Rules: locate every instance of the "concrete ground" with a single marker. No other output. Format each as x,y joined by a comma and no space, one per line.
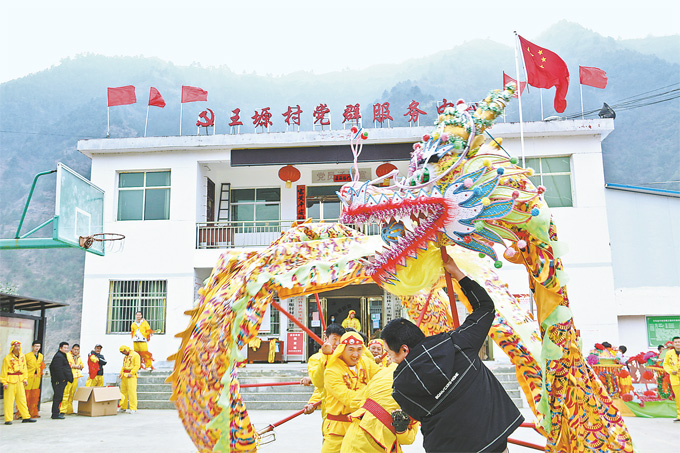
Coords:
161,430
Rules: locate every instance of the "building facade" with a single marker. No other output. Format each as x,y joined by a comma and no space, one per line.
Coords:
182,201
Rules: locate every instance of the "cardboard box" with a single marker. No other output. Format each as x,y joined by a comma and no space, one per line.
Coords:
97,401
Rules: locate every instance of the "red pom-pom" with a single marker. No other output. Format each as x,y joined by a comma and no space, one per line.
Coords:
426,137
599,346
354,129
624,374
647,375
627,397
467,239
650,393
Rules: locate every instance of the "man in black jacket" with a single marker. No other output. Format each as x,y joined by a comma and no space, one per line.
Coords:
61,374
441,381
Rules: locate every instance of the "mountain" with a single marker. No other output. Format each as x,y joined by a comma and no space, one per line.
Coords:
43,115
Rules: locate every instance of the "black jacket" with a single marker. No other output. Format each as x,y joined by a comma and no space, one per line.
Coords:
60,370
444,384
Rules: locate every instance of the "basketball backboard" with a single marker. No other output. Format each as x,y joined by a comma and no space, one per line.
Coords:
78,212
79,209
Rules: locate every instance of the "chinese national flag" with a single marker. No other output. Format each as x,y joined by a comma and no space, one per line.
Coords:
121,95
155,98
594,77
507,79
193,94
545,69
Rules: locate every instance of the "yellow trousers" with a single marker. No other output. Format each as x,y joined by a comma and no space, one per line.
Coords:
67,401
331,443
145,356
128,388
15,392
676,390
98,381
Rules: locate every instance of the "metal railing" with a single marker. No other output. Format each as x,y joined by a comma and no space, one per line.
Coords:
230,234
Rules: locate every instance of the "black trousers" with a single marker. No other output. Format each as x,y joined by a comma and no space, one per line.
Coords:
58,387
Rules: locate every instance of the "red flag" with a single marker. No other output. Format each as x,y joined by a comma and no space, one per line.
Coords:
507,79
594,77
545,69
193,94
121,95
155,98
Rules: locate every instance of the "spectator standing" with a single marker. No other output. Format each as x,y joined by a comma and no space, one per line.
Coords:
35,365
61,374
14,379
95,367
671,364
76,364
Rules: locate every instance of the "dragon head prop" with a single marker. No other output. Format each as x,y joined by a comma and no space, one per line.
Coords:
458,190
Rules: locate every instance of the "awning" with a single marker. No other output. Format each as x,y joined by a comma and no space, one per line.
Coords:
13,302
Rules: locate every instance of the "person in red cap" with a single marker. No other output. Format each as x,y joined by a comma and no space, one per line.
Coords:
14,378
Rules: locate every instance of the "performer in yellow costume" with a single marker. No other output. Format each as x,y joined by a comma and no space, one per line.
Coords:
14,378
77,366
316,366
671,364
128,379
35,366
352,321
141,334
377,349
347,374
372,429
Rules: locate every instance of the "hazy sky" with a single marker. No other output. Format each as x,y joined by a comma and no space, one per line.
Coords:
279,36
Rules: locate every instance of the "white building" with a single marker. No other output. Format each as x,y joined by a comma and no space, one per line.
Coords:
182,201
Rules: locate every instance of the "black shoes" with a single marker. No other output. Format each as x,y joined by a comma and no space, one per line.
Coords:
59,417
8,423
28,420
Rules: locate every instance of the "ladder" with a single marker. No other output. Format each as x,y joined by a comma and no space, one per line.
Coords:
225,205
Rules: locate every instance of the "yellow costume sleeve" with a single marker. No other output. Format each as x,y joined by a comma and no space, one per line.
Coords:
133,329
136,362
316,366
146,330
4,374
94,359
316,396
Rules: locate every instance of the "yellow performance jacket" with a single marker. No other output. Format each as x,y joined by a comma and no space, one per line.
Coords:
354,323
379,390
13,369
34,366
343,387
73,362
144,329
316,366
672,363
131,364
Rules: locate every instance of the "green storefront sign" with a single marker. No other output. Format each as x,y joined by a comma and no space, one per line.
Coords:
661,329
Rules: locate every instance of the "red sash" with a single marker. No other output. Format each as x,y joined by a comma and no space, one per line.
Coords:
380,413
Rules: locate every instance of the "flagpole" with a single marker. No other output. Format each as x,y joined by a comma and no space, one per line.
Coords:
519,90
540,90
581,87
180,118
147,120
108,122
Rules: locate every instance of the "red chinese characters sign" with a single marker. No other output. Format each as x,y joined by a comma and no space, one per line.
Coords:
295,343
301,203
293,114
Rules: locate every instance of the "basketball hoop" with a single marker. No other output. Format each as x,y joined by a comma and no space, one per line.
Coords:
107,238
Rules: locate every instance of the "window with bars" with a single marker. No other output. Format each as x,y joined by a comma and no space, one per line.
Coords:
127,297
144,195
553,173
275,323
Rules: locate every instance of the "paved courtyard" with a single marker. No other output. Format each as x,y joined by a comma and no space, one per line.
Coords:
161,430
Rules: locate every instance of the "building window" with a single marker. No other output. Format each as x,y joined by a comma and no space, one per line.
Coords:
553,173
323,202
255,208
275,322
144,195
127,297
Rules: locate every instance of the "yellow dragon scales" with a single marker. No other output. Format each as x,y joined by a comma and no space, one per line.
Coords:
458,192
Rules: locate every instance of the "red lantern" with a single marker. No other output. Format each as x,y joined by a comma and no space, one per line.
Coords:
289,174
385,169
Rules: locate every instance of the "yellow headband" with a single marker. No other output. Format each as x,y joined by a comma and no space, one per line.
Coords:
124,348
